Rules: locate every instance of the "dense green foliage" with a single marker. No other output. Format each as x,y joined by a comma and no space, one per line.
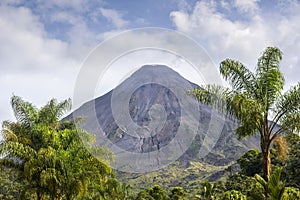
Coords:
10,183
291,170
246,185
233,195
250,163
48,159
52,159
257,102
157,193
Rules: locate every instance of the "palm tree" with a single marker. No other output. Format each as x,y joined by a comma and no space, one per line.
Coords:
54,157
26,140
256,101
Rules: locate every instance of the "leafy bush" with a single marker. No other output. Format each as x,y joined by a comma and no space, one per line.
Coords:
233,195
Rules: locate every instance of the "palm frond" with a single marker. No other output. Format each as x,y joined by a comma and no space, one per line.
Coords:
261,181
53,110
24,112
17,150
15,131
290,123
217,97
269,78
9,135
240,77
287,109
249,114
275,185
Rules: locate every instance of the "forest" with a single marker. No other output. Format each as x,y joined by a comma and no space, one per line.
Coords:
44,157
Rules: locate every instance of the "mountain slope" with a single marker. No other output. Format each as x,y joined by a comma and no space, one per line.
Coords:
153,100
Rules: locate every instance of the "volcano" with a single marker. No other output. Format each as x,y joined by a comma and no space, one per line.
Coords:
151,109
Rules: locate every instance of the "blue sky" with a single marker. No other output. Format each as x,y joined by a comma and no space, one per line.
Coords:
43,43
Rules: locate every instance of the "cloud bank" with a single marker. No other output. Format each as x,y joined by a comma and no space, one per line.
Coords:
43,44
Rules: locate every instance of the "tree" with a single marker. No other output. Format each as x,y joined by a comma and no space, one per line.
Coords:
115,190
54,157
250,162
24,139
256,101
177,193
156,192
246,185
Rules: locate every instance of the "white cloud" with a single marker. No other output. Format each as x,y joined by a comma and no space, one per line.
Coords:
243,40
225,4
115,17
31,65
181,20
246,6
38,67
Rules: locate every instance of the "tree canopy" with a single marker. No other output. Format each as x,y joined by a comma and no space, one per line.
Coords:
56,159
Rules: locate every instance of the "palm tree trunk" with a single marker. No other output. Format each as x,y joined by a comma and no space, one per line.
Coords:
266,164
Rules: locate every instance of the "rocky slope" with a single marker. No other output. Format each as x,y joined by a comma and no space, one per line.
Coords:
155,114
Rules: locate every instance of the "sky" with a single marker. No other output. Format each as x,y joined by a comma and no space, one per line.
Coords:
43,43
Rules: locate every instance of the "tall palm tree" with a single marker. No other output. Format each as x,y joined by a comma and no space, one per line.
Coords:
256,101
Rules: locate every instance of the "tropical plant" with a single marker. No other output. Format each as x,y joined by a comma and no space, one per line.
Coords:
246,185
256,101
115,190
250,163
275,186
291,193
177,193
30,134
158,193
54,157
